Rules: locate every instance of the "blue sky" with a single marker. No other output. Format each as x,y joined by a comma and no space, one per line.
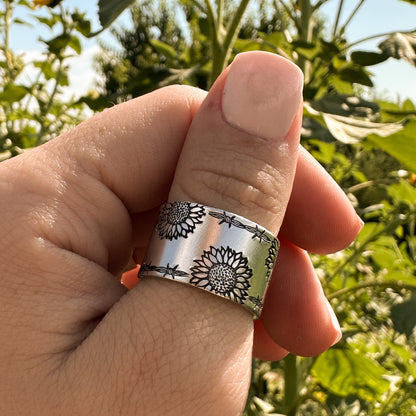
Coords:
393,78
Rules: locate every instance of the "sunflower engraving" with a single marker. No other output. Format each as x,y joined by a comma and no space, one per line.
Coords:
271,258
257,304
178,219
224,272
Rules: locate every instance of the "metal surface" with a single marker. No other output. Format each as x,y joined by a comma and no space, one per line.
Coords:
214,250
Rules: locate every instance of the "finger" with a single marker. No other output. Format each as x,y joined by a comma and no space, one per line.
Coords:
296,314
316,199
187,340
264,347
65,207
123,159
242,159
319,217
248,167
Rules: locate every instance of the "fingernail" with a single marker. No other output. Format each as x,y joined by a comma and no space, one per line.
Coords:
360,224
335,323
262,94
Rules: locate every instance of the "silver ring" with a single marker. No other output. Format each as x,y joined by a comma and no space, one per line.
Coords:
214,250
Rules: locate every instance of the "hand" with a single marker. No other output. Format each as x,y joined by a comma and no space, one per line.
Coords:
72,340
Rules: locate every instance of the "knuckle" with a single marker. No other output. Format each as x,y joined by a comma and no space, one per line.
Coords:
240,180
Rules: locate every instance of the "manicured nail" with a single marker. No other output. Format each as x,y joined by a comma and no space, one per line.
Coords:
360,223
335,322
262,94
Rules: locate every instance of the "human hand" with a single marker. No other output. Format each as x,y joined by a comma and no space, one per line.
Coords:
72,340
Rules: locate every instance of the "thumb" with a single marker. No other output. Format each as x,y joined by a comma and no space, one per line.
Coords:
188,351
241,151
240,155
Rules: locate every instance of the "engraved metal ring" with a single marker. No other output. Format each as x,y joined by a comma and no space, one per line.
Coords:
214,250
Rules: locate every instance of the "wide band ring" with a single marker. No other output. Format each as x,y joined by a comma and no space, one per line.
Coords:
214,250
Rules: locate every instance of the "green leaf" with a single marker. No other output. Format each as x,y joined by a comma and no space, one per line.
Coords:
400,46
406,109
163,48
64,79
18,21
353,130
46,68
401,276
346,105
203,25
403,316
83,25
401,145
355,74
403,191
13,93
48,21
368,58
308,50
96,102
56,45
345,372
75,44
109,10
325,151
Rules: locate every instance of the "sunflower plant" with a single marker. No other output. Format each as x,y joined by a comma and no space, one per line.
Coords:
32,108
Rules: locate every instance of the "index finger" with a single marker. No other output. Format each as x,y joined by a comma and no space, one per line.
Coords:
319,217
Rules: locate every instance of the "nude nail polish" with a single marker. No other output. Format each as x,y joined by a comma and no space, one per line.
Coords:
262,94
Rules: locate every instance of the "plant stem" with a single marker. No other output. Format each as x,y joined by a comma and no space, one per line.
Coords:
306,24
335,28
291,384
287,9
394,284
351,16
233,28
220,13
7,55
412,226
211,16
357,42
215,44
390,227
318,4
222,49
48,106
198,5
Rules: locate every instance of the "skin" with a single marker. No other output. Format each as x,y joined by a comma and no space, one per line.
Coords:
74,341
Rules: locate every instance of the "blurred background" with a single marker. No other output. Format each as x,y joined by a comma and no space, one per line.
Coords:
63,60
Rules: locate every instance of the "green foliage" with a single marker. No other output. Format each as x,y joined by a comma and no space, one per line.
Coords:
367,145
32,110
345,372
401,145
154,53
109,10
400,46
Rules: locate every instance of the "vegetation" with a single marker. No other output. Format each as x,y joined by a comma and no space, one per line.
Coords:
32,108
368,145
